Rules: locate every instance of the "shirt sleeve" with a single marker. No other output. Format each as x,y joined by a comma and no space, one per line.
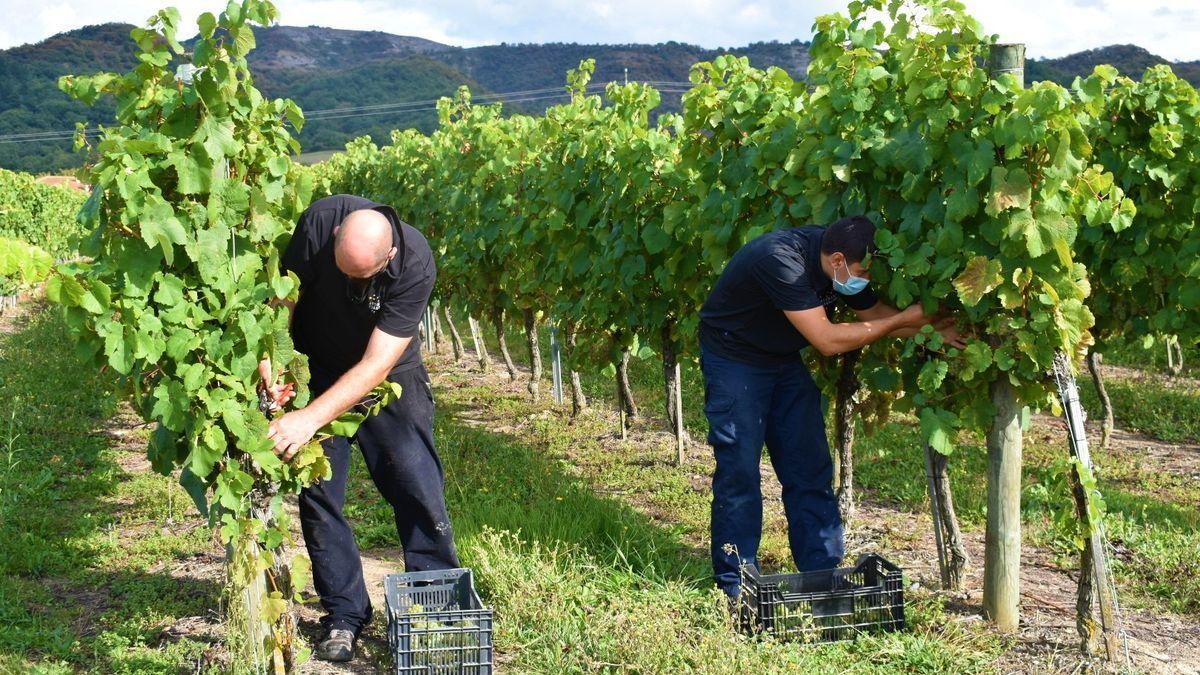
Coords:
784,279
864,299
302,249
404,307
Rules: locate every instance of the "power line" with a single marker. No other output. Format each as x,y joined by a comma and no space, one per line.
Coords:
481,98
318,114
37,134
428,108
545,97
521,96
60,136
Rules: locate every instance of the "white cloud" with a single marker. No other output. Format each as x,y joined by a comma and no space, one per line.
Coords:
1048,27
58,17
399,18
1057,27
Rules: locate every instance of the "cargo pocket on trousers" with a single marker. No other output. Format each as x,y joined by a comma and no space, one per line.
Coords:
718,408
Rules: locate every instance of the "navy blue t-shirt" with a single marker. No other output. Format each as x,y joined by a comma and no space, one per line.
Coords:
779,271
330,327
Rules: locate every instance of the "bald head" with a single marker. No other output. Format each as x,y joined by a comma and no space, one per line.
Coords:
362,244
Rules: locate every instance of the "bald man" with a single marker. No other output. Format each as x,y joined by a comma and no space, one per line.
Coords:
365,279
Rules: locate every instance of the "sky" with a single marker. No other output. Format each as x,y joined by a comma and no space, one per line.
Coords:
1049,28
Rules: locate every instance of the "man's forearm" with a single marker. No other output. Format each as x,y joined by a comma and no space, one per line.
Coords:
846,337
347,391
292,430
882,311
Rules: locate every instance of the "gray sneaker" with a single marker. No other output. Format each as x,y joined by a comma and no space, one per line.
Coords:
338,645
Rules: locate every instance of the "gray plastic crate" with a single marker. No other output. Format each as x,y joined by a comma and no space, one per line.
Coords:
826,605
437,625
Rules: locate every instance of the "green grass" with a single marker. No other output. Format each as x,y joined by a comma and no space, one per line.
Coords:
1131,354
591,551
645,375
82,580
1154,515
583,582
1153,405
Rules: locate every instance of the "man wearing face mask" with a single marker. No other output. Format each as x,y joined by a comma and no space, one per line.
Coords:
773,299
365,279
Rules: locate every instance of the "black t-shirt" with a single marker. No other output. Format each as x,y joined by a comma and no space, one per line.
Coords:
328,326
779,271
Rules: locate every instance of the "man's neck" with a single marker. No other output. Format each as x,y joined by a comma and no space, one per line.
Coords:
826,265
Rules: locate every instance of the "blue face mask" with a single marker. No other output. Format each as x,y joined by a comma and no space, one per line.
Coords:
852,285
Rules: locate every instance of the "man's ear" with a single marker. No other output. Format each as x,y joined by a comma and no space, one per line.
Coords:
392,254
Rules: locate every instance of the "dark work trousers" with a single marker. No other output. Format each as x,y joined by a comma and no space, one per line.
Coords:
397,446
780,406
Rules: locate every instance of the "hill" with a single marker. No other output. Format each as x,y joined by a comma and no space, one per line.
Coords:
30,100
326,69
1131,60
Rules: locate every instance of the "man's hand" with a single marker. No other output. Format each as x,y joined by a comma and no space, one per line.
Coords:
912,316
291,432
948,327
279,393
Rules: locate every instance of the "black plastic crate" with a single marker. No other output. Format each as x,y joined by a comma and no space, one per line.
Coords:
437,625
826,605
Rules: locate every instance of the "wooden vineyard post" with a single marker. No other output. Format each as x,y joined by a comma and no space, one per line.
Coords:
430,341
456,342
480,348
1002,548
1007,59
1094,561
439,336
674,388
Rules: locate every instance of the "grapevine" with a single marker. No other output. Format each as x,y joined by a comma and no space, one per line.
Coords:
195,197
